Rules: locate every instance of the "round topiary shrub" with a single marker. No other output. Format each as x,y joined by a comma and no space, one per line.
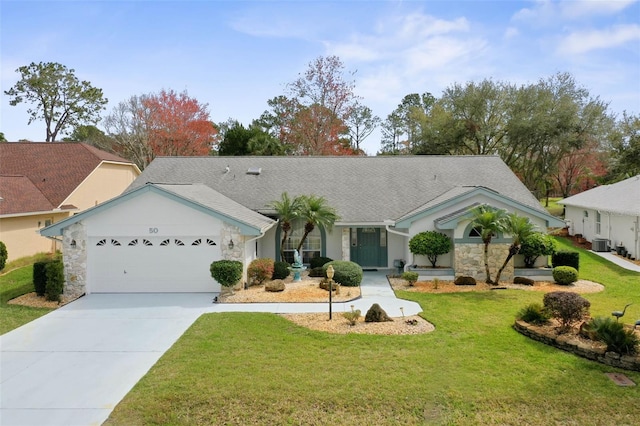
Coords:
430,244
348,274
319,261
280,270
260,270
565,275
3,255
226,272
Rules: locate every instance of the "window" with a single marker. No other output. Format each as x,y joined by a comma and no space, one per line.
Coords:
165,242
146,242
311,248
598,223
102,242
115,242
210,242
197,242
474,233
178,242
133,243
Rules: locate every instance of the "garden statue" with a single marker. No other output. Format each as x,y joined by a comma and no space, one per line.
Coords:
297,262
297,266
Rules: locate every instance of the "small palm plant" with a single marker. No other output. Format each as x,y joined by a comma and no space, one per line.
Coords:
288,210
519,227
315,212
489,222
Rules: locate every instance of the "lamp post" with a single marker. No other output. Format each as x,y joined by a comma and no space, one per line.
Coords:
330,273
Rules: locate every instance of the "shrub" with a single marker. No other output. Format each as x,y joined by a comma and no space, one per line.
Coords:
274,286
464,280
566,307
535,245
319,261
3,255
316,272
430,244
352,316
565,275
226,272
523,280
614,335
566,258
280,270
260,270
534,314
40,276
55,280
348,274
412,277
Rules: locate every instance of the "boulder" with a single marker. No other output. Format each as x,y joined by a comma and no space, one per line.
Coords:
376,314
464,280
523,280
274,286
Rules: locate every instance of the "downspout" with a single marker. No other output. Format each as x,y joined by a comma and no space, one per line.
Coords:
637,253
387,225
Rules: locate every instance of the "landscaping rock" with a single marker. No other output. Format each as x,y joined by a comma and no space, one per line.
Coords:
376,314
464,280
523,280
324,284
274,286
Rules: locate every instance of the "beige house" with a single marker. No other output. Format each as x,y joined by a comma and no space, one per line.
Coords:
43,183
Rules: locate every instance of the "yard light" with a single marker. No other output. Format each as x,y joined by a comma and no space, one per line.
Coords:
231,244
330,273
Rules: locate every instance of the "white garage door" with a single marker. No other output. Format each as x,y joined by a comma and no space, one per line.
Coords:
151,265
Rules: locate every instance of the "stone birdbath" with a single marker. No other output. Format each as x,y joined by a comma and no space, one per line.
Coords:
297,267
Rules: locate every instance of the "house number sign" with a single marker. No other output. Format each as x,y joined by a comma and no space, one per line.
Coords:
153,230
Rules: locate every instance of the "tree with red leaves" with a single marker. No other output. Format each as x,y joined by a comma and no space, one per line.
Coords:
578,170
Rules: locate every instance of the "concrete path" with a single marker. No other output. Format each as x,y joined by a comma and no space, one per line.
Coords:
73,365
618,261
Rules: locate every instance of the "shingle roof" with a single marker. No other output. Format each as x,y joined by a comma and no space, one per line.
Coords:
622,197
19,195
213,200
362,189
55,169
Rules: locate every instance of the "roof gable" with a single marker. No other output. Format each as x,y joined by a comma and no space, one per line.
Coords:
622,197
56,169
361,189
198,197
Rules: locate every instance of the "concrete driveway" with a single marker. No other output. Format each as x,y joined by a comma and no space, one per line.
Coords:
72,366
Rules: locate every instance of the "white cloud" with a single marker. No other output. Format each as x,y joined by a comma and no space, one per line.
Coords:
511,32
549,12
585,41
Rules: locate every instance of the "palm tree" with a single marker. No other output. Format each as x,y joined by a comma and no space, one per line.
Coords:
488,222
288,210
519,228
316,212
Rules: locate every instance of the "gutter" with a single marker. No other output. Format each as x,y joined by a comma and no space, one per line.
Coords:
387,226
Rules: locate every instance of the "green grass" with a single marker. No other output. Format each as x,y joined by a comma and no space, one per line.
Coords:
16,282
249,368
553,208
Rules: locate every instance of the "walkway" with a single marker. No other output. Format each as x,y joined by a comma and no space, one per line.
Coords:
73,365
618,261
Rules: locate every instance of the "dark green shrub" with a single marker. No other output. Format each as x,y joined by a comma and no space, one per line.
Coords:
411,277
280,270
464,280
226,272
566,307
613,334
566,258
348,274
565,275
523,280
3,255
430,244
319,261
40,276
535,245
534,314
55,280
260,270
316,272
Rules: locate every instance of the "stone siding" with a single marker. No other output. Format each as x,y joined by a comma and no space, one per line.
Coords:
566,343
75,260
346,243
469,261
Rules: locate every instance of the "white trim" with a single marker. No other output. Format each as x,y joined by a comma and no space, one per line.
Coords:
43,212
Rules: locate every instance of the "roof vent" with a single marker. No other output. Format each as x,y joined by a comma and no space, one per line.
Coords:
254,171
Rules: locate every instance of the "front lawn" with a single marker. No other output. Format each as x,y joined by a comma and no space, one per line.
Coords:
16,282
553,208
251,368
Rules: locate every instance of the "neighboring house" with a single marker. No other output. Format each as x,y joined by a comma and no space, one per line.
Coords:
43,183
183,213
608,216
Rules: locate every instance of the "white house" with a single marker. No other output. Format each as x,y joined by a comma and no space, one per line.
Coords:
183,213
608,216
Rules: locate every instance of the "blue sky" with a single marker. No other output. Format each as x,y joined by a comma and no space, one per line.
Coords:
235,55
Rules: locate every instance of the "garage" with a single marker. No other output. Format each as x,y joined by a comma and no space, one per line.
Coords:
152,265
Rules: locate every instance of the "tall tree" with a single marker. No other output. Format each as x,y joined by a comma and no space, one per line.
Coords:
392,132
91,135
579,169
488,221
288,210
519,227
238,140
315,212
58,96
624,147
361,123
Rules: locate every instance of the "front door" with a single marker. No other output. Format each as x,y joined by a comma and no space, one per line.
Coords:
368,247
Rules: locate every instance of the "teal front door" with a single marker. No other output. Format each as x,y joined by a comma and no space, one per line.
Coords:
368,246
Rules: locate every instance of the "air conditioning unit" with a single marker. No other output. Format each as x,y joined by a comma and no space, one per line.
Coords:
600,245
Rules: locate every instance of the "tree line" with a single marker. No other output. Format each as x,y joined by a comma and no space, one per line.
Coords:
552,133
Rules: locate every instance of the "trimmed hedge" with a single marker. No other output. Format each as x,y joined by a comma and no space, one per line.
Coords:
40,276
348,274
566,258
319,261
280,270
55,280
226,272
565,275
3,255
